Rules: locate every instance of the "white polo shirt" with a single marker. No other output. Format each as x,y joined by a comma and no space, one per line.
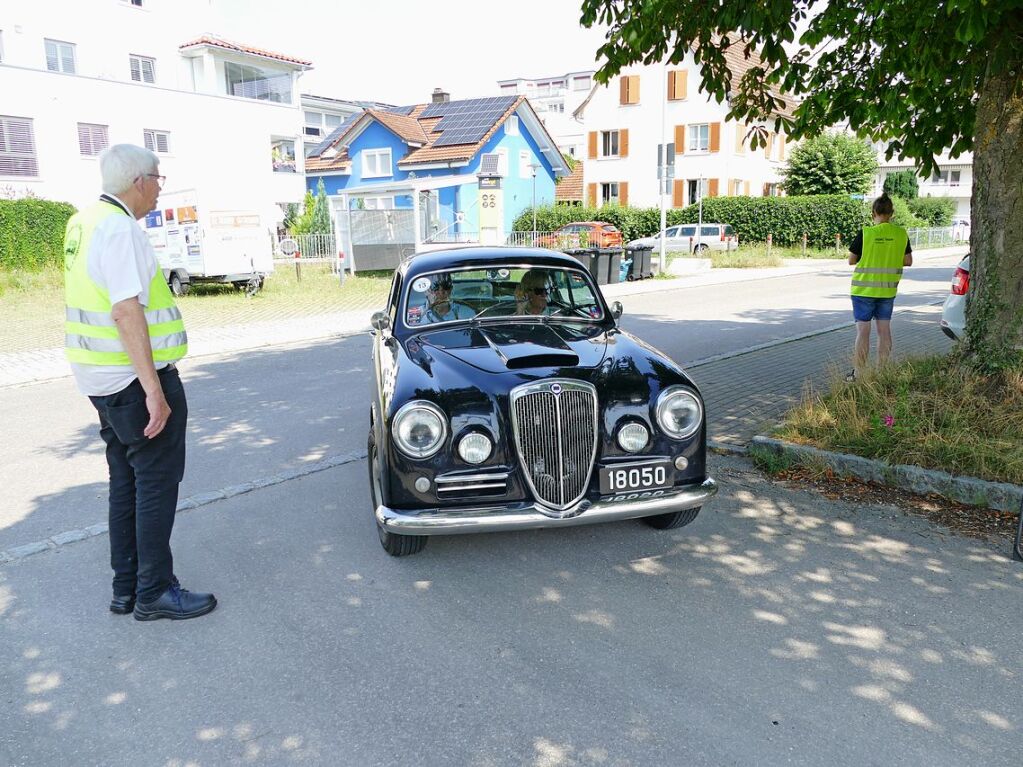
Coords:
121,261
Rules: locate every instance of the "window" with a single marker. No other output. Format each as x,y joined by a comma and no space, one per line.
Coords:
770,190
60,57
609,193
313,124
735,187
376,162
609,143
378,203
282,154
136,3
581,83
699,138
143,69
257,83
629,90
525,159
954,177
693,190
92,139
17,147
511,126
156,141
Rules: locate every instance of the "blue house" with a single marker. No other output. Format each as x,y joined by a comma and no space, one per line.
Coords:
409,178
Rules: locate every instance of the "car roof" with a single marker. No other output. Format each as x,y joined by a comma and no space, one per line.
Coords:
483,257
587,223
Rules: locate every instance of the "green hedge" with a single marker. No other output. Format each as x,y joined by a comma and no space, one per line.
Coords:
934,211
32,233
821,217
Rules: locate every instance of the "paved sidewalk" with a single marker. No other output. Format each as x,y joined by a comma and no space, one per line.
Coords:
746,394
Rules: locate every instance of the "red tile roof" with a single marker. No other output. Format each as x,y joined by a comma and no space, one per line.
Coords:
216,42
570,188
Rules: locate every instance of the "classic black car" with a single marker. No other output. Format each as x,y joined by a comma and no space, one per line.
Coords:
507,398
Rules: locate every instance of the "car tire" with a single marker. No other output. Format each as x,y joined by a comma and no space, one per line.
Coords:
393,543
702,247
672,519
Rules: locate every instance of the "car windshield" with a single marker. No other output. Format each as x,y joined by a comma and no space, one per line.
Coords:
506,292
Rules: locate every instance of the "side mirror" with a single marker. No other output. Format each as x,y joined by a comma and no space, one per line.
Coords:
380,321
617,310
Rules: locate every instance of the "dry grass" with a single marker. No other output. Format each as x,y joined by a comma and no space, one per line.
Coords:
929,412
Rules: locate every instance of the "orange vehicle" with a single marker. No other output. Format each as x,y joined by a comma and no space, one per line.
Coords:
582,234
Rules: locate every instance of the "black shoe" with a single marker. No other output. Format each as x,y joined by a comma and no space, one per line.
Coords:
122,605
175,603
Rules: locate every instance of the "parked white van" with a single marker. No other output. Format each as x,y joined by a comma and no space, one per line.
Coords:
684,239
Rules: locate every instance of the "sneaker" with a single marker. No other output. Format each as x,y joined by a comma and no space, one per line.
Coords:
176,604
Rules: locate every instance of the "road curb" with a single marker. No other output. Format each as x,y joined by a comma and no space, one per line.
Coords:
1002,496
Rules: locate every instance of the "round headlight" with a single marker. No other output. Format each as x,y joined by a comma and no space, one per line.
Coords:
475,447
419,429
632,437
679,412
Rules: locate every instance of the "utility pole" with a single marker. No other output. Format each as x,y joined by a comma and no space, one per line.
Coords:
662,162
532,167
699,225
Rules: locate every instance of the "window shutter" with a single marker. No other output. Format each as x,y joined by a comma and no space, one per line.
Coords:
671,85
715,137
17,147
677,81
745,185
769,146
623,142
781,146
712,188
740,139
623,193
623,96
767,190
148,140
591,195
680,139
592,153
678,189
634,89
136,68
92,139
148,72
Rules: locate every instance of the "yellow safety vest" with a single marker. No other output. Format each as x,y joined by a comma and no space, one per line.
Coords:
879,269
90,335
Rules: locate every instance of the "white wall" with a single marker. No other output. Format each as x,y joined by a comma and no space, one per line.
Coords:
219,145
644,123
928,187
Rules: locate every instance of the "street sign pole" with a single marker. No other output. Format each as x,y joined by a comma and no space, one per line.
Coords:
662,161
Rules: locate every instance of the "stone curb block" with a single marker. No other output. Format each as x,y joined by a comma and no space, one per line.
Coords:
1001,496
20,552
69,537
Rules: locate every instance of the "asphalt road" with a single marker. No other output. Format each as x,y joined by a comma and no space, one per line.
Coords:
779,628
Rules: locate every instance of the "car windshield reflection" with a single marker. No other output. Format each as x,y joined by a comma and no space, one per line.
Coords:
508,293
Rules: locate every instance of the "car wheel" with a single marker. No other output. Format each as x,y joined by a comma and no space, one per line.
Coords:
672,519
702,247
394,544
178,287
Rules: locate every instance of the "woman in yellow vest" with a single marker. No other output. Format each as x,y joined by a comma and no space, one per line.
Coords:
123,335
879,254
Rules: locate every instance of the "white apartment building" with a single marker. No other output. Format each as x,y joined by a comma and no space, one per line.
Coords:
953,179
554,99
76,77
648,105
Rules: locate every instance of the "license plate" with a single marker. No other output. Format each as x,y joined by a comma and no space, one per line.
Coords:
651,475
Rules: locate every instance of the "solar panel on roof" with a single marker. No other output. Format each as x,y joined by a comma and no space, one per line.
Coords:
466,122
406,111
334,135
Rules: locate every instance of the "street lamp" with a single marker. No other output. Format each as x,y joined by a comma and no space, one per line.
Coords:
533,167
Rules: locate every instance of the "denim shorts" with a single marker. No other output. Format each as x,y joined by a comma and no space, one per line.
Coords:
866,309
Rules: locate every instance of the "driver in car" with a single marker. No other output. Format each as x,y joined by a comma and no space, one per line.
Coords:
532,293
441,307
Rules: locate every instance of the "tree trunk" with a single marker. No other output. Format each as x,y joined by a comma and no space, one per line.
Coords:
994,309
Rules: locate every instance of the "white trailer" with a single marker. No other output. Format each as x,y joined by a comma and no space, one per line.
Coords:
196,244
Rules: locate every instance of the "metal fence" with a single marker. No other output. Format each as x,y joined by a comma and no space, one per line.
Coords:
938,237
307,248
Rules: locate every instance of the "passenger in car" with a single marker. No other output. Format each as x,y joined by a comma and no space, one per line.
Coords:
532,293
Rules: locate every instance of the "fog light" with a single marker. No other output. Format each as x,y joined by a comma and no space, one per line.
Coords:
422,484
681,463
632,437
475,448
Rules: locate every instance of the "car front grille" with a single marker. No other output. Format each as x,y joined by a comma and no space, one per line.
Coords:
555,426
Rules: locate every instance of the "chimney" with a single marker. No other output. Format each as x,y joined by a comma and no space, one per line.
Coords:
440,96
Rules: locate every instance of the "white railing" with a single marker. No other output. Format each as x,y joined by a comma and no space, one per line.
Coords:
308,248
938,236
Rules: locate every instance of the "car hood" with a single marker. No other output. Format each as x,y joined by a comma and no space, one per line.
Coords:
498,348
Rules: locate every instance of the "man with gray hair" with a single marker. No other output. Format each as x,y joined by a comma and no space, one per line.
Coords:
123,335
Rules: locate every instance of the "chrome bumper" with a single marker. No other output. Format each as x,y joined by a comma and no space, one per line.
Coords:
526,516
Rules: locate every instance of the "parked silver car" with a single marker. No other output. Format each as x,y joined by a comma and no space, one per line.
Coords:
953,313
684,239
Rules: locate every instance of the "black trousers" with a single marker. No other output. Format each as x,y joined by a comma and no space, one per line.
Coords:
144,478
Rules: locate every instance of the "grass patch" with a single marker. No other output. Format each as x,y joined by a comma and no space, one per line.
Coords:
928,412
32,303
